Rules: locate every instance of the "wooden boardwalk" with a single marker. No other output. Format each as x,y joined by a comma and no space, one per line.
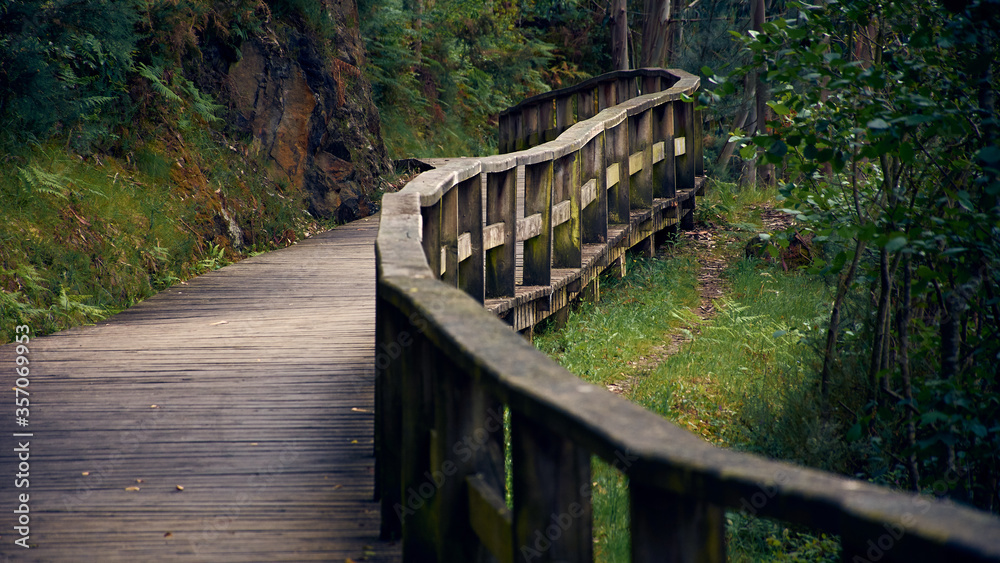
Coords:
251,387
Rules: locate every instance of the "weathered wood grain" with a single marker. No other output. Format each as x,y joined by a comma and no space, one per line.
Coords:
251,387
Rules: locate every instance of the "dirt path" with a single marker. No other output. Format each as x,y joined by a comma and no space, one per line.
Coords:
714,248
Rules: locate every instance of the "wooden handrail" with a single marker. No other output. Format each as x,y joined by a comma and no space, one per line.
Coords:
446,369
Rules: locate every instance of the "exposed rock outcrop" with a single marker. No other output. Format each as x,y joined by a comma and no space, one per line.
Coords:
307,103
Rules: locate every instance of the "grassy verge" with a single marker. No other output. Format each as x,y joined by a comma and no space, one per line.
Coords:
740,381
82,237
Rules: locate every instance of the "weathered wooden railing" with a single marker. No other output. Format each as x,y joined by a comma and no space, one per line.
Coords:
447,367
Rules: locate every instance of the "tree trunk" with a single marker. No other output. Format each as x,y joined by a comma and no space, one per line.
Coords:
619,34
831,334
765,173
903,328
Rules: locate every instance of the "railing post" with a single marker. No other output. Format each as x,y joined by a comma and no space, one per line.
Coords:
595,193
553,513
520,136
567,250
547,121
640,134
470,237
501,208
416,510
537,268
585,103
532,126
664,169
467,440
449,237
699,147
607,95
503,121
564,113
674,529
617,153
684,173
431,236
650,83
392,361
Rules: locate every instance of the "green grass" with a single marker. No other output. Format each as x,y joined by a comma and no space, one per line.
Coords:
84,237
742,381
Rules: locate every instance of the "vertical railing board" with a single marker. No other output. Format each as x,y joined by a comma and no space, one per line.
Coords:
532,126
553,514
616,151
684,127
699,144
567,250
537,264
607,95
449,236
501,207
684,173
470,220
391,366
650,84
468,439
586,103
431,236
417,511
595,215
669,528
519,136
640,139
547,121
503,133
565,116
664,183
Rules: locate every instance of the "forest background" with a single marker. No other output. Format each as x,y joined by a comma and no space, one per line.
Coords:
876,119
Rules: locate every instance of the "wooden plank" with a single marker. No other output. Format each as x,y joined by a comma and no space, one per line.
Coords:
680,146
266,420
588,193
493,235
560,213
464,246
491,519
658,152
529,227
613,175
635,162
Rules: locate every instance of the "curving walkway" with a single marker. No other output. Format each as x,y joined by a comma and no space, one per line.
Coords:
251,387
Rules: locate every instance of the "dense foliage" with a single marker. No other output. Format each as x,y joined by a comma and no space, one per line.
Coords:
884,121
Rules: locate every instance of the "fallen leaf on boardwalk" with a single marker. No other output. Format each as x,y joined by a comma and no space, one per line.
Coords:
219,323
85,473
180,487
348,560
366,411
154,406
138,480
253,443
132,489
354,441
168,535
335,487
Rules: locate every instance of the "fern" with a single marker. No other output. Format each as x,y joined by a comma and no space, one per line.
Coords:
153,75
44,182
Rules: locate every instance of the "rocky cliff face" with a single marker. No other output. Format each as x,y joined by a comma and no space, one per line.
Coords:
303,97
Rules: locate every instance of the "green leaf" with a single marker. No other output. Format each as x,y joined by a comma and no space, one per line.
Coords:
778,149
895,243
748,152
989,155
779,108
878,124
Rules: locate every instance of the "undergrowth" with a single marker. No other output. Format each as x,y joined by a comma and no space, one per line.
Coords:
743,380
84,237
